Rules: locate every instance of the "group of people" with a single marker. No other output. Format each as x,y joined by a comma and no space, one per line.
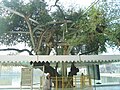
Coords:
47,83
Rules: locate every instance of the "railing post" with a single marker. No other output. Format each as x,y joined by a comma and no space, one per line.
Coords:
82,80
62,83
90,81
56,83
75,80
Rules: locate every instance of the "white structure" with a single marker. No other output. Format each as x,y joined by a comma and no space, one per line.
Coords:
53,52
17,59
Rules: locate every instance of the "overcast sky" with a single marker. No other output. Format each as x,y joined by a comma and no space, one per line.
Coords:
69,3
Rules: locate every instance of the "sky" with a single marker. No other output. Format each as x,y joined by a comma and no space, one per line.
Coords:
67,4
112,51
18,46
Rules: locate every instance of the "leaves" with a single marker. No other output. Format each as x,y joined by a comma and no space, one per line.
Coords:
3,26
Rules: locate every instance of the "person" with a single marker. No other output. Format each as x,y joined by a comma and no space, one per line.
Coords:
48,83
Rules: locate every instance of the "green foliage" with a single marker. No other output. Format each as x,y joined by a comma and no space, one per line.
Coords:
3,26
35,9
84,31
112,14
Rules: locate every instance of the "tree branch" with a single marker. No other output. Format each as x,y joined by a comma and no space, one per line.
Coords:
31,33
17,13
18,50
55,5
56,2
95,49
40,41
60,11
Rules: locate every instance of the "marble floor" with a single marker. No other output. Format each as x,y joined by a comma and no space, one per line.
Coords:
116,87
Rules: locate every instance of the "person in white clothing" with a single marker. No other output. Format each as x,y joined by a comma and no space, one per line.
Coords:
47,83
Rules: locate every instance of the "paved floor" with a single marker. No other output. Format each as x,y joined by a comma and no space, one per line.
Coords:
113,87
107,88
96,88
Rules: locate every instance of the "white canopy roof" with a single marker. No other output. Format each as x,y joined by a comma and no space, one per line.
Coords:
59,58
100,58
41,58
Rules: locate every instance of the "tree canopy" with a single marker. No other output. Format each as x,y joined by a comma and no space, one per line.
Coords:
67,31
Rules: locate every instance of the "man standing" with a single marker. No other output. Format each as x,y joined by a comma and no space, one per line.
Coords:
48,83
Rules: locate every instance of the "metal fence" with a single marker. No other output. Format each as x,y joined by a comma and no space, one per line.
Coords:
10,78
71,82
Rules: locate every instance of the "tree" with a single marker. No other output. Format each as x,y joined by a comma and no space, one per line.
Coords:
112,14
67,31
99,26
55,27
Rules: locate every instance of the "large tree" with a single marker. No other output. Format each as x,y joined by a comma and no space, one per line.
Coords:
73,30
